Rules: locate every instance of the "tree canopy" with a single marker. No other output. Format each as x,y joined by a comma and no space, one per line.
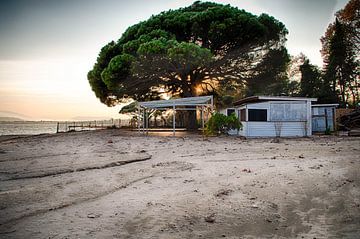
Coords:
341,53
310,83
200,49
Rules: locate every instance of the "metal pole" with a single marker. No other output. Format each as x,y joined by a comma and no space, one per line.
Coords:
146,122
174,123
138,122
143,121
202,119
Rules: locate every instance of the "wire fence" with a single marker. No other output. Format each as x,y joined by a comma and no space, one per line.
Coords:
67,126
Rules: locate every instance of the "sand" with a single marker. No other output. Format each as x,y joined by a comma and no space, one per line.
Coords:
118,184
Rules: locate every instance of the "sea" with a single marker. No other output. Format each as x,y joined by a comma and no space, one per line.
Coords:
50,127
27,127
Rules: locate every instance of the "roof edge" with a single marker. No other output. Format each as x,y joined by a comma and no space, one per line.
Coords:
254,99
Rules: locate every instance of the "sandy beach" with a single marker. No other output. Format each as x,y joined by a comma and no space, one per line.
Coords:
119,184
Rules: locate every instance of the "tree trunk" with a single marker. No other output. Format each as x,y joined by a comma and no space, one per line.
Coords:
191,118
190,123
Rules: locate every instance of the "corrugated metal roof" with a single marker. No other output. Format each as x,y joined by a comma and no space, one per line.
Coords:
253,99
325,105
189,101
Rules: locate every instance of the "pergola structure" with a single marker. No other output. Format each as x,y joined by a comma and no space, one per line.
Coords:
201,103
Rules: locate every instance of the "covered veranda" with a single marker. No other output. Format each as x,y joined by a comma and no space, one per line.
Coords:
203,104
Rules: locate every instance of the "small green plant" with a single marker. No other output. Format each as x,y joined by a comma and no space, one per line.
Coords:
327,131
221,124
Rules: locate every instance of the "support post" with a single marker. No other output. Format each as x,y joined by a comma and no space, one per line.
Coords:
326,120
143,122
138,119
146,122
202,119
174,123
308,119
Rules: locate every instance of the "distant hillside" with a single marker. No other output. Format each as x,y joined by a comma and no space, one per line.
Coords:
10,119
11,114
89,118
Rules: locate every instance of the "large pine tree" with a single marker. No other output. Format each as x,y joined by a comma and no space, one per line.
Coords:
204,48
341,54
340,63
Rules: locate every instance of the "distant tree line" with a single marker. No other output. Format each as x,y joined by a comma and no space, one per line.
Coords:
338,81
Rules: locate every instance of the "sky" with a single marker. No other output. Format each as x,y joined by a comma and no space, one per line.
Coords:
48,46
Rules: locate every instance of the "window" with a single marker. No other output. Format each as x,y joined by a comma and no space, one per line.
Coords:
257,115
288,111
243,115
230,111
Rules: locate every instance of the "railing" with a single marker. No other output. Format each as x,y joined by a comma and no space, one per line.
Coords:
67,126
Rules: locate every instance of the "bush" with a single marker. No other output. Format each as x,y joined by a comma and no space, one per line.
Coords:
221,124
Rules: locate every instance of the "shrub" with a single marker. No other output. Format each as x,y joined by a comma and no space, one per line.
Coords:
221,124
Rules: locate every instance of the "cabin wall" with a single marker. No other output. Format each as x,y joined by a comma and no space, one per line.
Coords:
284,119
275,129
323,118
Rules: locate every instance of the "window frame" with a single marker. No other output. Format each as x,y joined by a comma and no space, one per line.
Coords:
263,117
231,109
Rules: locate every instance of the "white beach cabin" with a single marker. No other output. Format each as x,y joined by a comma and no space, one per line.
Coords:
273,116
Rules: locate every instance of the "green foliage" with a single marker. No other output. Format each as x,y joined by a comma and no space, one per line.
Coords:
327,131
119,67
226,100
221,124
341,62
341,67
311,82
270,77
130,108
189,54
190,51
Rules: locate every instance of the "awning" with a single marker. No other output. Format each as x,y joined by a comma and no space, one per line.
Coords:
190,101
201,102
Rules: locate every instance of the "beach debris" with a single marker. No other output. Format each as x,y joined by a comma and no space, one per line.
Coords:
273,205
246,170
210,218
188,180
275,140
301,156
110,141
350,121
93,215
223,192
254,206
354,132
316,166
